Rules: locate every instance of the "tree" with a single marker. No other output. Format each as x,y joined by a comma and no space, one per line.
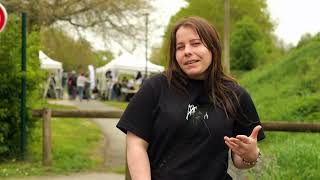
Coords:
115,20
247,45
305,39
75,54
102,57
10,86
212,10
155,54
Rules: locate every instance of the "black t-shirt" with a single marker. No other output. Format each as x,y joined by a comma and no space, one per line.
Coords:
185,133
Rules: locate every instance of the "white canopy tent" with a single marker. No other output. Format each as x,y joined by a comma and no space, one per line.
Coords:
55,67
126,64
130,64
48,63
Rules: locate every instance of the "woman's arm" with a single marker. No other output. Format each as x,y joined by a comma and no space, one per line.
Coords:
137,157
242,163
244,149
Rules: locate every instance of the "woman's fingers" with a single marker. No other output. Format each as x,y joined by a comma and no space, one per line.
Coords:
231,145
240,145
236,145
238,142
234,148
244,139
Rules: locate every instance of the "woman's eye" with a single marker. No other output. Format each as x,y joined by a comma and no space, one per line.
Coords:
196,43
179,47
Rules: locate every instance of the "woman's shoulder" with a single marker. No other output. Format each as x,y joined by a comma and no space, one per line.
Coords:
157,81
237,88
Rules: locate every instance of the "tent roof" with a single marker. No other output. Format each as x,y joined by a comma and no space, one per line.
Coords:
48,63
129,63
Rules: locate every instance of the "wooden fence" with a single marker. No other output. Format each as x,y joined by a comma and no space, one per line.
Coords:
46,114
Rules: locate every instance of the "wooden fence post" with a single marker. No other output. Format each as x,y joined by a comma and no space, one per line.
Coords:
46,143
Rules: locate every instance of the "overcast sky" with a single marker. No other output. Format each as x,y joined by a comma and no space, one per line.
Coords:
293,18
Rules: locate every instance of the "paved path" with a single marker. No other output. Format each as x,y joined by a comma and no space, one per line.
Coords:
79,176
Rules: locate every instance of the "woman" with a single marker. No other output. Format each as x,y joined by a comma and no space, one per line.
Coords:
182,123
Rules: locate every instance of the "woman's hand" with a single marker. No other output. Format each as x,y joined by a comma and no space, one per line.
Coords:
244,146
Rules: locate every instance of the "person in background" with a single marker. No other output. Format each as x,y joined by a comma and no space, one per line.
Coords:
63,83
138,79
81,81
72,85
87,93
182,123
116,91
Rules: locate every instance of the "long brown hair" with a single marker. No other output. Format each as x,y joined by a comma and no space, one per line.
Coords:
218,85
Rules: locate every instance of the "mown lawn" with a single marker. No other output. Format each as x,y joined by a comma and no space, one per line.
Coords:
75,147
117,104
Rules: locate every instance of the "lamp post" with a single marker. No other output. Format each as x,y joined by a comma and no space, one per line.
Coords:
23,134
146,44
226,38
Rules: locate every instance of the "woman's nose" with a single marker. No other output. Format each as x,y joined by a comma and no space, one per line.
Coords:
187,50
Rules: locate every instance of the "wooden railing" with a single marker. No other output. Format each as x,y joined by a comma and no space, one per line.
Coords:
46,114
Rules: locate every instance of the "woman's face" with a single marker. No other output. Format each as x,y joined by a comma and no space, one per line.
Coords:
192,55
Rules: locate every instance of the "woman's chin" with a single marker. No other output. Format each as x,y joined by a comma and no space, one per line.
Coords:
195,76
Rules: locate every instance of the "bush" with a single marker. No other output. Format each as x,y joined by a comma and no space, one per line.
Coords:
10,86
247,48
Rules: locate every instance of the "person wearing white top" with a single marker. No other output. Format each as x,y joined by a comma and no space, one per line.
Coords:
81,80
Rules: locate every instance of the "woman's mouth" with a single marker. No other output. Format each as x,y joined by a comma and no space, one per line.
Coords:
191,62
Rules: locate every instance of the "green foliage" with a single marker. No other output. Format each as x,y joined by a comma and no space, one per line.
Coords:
74,54
10,87
102,57
305,38
113,20
247,45
213,11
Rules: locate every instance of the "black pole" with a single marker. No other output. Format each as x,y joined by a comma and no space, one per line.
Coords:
23,133
226,38
146,43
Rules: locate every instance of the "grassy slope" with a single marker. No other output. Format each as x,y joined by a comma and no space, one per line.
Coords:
289,91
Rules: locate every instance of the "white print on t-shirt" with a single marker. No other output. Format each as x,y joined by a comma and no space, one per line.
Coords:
206,116
191,110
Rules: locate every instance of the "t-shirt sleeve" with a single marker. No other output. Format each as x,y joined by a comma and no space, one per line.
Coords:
247,118
138,116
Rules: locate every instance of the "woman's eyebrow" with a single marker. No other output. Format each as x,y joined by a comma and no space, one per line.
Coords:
195,40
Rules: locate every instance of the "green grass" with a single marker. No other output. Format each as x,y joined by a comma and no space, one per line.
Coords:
75,144
43,103
117,104
288,156
288,90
